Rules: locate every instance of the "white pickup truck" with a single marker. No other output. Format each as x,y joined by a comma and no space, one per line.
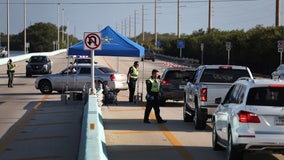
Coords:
208,83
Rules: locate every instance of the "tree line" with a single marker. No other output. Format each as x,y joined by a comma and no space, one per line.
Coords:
255,48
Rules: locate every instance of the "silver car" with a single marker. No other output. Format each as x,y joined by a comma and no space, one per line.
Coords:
76,77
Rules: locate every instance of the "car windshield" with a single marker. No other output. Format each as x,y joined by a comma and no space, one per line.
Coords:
179,75
266,96
38,59
281,67
223,75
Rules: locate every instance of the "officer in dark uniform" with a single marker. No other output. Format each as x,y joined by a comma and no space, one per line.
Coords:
132,77
152,97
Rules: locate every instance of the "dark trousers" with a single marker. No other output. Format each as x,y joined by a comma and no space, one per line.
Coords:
10,78
131,87
152,104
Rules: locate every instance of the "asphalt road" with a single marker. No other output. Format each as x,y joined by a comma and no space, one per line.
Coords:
38,127
34,126
128,138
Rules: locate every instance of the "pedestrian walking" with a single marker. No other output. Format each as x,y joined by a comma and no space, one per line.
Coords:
132,77
152,97
10,71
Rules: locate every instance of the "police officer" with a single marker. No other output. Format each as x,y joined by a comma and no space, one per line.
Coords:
10,71
152,97
132,77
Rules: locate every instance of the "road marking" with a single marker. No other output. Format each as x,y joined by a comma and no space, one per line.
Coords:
12,135
176,144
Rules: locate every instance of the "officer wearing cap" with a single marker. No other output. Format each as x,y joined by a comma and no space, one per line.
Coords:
132,77
152,97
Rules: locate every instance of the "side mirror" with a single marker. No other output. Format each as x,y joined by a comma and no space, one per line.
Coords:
218,100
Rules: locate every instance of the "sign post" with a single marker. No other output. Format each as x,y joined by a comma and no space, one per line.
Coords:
228,48
280,49
202,49
92,41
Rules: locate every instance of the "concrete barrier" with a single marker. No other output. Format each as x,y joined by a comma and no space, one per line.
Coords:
27,56
92,143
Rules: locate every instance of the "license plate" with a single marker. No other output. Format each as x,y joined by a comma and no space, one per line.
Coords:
279,121
181,86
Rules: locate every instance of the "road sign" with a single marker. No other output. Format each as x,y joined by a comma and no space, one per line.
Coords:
92,41
228,46
180,44
280,46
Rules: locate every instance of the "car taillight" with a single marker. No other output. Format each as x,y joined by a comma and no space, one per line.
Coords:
203,94
112,77
248,117
165,82
225,67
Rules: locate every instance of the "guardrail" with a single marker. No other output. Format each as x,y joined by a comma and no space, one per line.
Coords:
27,56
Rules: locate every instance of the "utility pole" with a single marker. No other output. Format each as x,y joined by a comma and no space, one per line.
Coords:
58,30
129,26
277,17
135,25
25,25
143,36
210,16
8,28
156,37
178,19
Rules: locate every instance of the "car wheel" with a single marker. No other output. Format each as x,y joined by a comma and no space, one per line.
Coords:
45,87
153,60
186,117
233,153
199,123
215,145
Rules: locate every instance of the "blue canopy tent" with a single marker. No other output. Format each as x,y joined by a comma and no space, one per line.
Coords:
113,44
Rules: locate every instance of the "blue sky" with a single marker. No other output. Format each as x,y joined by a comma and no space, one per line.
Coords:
93,15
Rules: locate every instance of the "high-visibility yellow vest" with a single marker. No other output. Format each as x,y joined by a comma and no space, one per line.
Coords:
134,73
11,67
155,85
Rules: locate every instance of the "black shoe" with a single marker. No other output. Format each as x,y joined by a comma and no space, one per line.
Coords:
162,121
147,122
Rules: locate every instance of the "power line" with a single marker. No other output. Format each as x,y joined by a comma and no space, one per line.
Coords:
126,2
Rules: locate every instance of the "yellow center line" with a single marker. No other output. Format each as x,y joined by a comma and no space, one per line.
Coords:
173,140
12,135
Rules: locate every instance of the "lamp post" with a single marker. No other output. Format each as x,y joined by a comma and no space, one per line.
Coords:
25,24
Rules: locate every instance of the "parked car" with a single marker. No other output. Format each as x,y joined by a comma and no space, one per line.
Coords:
149,55
172,83
78,76
278,73
38,65
250,118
